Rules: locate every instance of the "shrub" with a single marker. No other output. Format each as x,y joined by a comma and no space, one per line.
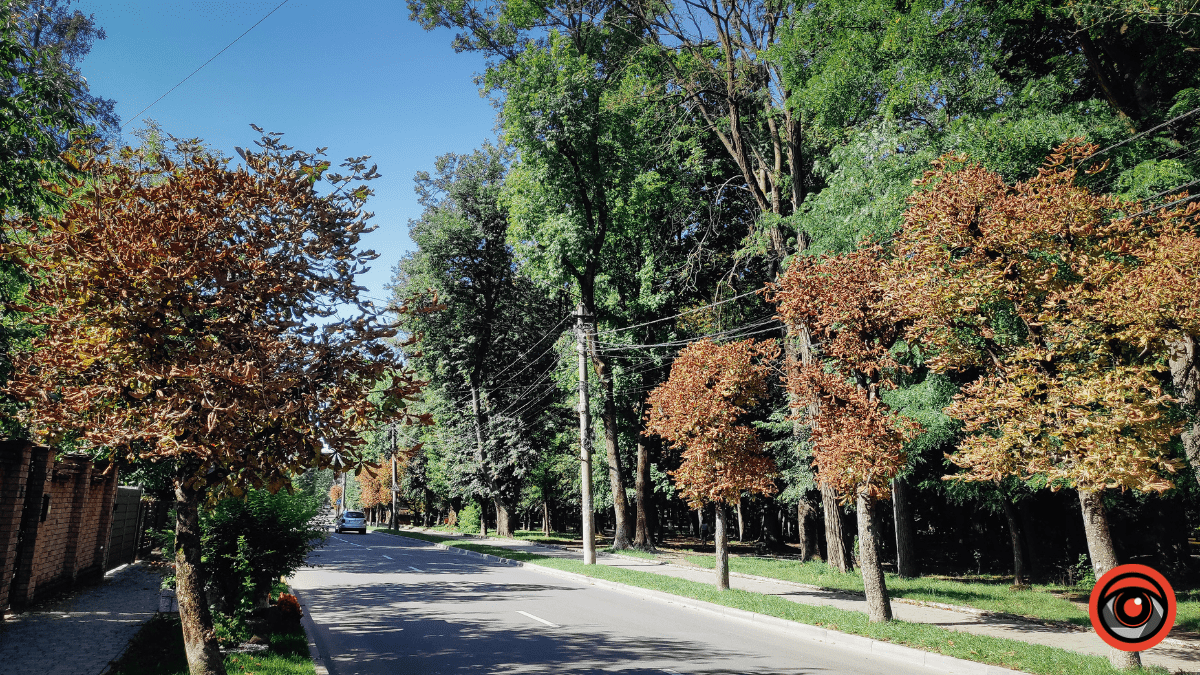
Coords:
252,541
289,608
468,518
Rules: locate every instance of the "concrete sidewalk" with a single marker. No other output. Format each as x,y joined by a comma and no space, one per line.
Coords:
1178,658
81,634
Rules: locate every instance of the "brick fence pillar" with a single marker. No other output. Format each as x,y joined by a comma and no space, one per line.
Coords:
81,468
108,496
14,471
26,563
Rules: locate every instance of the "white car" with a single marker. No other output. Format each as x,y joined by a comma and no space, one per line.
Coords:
351,520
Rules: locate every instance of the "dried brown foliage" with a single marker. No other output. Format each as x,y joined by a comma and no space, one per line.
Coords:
857,441
700,411
1065,305
176,309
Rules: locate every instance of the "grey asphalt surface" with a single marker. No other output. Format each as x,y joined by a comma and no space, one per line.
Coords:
382,604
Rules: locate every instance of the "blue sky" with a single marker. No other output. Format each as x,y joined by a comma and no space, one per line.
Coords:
354,75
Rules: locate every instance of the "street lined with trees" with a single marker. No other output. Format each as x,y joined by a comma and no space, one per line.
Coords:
907,287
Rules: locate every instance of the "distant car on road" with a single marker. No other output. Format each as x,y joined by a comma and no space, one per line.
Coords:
351,520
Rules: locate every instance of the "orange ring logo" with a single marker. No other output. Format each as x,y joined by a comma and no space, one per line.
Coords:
1132,607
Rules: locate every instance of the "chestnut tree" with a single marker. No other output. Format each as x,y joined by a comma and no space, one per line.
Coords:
178,310
858,442
1064,307
701,410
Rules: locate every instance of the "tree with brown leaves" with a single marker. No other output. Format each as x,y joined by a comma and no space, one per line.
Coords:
177,310
858,443
1069,309
700,410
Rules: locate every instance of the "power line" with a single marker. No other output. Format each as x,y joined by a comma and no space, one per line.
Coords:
532,347
1108,181
668,318
728,333
1167,205
204,64
1151,130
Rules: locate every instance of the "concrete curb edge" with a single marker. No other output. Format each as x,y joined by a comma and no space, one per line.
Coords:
940,662
1186,644
310,632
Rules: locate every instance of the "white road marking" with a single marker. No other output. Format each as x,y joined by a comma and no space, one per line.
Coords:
414,569
351,543
537,618
389,557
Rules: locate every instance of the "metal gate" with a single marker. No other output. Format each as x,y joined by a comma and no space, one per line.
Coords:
126,527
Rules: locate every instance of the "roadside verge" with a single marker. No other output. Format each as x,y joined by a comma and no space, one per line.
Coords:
310,631
955,651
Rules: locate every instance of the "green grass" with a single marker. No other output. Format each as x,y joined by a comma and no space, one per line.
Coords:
157,649
995,596
1187,609
423,536
1039,602
1031,658
540,537
633,552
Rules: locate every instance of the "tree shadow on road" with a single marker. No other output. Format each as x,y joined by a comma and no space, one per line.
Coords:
441,627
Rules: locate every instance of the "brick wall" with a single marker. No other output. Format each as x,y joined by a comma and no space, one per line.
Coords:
62,512
14,472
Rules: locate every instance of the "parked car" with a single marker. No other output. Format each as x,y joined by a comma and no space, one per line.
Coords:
351,520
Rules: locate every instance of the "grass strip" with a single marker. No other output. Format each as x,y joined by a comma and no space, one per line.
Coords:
157,649
633,553
1036,603
1031,658
423,536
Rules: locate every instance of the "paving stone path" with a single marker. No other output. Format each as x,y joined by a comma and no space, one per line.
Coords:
1176,657
80,634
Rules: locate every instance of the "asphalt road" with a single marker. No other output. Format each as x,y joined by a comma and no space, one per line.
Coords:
387,605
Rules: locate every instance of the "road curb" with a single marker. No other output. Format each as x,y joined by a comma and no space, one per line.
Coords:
310,632
962,609
939,662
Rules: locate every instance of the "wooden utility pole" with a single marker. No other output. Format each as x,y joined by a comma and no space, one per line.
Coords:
345,501
582,326
395,521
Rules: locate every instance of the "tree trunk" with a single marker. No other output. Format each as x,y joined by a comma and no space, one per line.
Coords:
1095,527
1185,377
203,655
503,519
721,544
772,533
804,512
1122,660
482,517
741,520
1020,565
879,608
906,555
642,538
546,518
836,552
623,525
1104,557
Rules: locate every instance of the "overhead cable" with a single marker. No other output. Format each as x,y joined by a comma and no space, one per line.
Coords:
1151,130
683,313
214,56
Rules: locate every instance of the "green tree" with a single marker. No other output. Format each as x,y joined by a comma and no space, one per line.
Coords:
487,315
